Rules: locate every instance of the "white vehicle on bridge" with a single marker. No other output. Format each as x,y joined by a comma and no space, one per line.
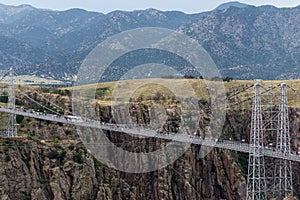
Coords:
72,118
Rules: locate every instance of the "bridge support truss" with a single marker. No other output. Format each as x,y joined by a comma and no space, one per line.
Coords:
269,120
11,124
256,188
283,182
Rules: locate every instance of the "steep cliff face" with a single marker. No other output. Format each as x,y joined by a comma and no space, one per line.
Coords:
56,165
34,170
65,170
295,142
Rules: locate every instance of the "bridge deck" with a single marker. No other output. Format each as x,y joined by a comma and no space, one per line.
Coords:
229,145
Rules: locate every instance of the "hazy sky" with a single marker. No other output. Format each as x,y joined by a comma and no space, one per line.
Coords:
188,6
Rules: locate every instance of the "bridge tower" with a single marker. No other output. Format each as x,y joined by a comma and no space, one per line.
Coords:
256,184
283,183
11,124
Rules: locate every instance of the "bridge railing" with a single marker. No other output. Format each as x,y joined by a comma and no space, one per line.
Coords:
146,132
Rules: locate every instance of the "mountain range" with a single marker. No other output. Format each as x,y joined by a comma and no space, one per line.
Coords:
246,42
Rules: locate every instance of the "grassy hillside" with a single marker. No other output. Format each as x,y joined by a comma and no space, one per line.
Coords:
154,89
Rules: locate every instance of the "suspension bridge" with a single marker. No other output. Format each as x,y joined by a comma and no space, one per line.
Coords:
267,116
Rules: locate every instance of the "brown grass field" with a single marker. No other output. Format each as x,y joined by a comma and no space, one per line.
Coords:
150,88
